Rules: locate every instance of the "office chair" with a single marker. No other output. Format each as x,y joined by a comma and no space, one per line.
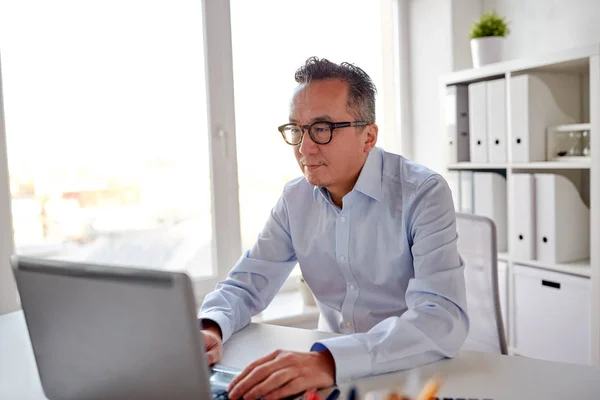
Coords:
477,246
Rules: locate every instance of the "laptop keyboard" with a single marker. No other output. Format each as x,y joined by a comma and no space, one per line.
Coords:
220,394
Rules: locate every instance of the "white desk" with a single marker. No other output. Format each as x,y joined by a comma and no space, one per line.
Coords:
471,375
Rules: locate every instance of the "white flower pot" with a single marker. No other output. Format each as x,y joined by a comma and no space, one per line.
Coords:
486,50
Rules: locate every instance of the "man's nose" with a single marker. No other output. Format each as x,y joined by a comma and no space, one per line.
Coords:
308,146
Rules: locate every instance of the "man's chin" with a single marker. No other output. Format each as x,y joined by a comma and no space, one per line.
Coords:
313,180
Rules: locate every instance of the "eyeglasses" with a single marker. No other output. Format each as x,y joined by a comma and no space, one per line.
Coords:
320,132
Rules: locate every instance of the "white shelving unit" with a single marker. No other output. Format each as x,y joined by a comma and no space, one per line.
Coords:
585,63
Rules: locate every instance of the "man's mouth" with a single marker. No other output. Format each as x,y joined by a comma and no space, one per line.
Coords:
312,167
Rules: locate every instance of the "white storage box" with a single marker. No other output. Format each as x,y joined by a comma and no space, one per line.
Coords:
551,315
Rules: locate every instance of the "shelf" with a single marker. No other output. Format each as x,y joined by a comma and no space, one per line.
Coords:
572,127
571,61
581,267
553,165
475,166
503,256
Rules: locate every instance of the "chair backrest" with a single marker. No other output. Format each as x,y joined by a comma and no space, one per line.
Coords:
477,245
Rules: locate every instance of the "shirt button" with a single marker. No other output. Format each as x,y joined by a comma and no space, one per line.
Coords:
352,287
342,258
343,219
348,324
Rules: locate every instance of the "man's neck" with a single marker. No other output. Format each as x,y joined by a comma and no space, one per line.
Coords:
337,193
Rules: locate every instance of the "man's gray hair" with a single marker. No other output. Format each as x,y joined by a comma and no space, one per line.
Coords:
361,90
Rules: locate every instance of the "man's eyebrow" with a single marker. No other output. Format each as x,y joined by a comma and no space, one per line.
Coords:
323,118
319,118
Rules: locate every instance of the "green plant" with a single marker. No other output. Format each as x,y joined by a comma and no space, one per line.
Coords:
489,24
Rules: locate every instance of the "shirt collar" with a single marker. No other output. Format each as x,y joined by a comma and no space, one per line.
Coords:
369,179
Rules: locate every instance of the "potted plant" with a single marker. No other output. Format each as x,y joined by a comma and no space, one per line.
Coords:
487,38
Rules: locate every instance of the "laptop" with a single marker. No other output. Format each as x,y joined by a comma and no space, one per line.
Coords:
106,332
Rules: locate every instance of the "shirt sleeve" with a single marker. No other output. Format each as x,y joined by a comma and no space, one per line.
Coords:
255,279
436,323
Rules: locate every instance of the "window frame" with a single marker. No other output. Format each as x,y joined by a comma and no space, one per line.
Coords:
226,244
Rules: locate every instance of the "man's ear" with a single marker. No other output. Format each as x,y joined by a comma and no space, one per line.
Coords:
371,137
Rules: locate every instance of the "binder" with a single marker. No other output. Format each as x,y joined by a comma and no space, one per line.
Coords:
453,179
562,220
478,122
523,237
489,190
466,192
457,123
496,120
537,102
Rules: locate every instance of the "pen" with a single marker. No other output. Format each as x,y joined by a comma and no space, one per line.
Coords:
312,395
334,394
429,390
352,394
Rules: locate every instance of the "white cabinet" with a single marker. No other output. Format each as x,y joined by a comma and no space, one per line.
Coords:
552,315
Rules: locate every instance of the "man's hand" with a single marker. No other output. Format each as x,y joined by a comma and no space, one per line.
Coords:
213,344
282,374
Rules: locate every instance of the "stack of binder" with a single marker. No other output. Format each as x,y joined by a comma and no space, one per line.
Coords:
551,222
487,121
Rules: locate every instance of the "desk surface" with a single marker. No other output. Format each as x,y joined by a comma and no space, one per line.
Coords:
471,375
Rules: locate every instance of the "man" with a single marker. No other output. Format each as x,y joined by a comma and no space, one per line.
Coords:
375,237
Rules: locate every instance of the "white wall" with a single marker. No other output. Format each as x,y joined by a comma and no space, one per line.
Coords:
8,290
439,44
430,56
542,26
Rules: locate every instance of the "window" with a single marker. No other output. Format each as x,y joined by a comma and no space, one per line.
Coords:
267,50
107,132
122,142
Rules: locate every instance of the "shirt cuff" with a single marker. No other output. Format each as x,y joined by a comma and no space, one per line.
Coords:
219,319
352,360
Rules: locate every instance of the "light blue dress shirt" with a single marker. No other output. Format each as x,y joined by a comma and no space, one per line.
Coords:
384,268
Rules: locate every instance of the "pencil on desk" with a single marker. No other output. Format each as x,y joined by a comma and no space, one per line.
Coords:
429,390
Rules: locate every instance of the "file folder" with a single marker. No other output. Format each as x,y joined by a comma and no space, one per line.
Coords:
478,122
453,179
457,123
537,102
490,200
466,192
523,238
562,219
496,120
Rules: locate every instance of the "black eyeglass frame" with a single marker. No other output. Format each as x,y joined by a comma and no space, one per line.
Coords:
308,128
